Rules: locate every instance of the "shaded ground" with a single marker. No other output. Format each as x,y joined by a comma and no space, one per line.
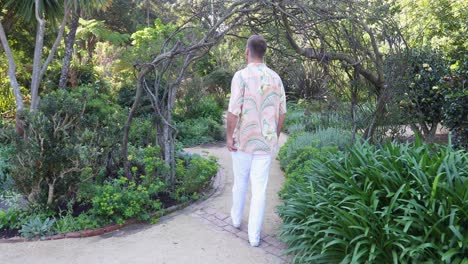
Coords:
197,234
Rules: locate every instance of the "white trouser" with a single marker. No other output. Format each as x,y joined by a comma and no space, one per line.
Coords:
257,167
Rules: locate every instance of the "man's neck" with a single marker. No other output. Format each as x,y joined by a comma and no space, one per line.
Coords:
254,60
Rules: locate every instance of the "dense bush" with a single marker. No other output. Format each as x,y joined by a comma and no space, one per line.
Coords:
398,203
455,114
330,137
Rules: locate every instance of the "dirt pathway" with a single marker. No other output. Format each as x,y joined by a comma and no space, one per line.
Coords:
200,233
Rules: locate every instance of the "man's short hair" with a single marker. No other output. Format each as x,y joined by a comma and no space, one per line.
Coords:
257,46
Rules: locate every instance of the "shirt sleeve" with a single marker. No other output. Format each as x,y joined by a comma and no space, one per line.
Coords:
237,95
282,106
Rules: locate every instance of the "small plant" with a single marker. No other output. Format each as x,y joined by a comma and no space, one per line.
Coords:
35,227
193,175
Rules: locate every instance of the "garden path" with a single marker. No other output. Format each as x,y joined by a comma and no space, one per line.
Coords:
200,233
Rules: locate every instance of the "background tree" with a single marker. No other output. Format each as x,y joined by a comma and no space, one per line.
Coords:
78,9
349,32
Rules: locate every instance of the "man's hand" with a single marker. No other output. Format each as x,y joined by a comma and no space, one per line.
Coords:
230,145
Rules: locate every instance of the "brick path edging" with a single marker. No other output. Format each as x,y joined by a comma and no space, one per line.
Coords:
215,185
222,222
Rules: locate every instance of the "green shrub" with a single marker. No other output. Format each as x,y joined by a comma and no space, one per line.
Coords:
193,175
11,219
72,133
147,165
6,182
332,137
119,199
423,99
301,164
36,227
398,203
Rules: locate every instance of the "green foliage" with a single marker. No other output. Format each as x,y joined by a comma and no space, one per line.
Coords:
206,107
218,84
330,137
148,42
199,131
6,182
147,164
455,108
126,97
142,132
120,199
7,99
91,31
68,223
36,227
439,24
396,203
51,9
199,120
193,174
11,219
312,116
301,164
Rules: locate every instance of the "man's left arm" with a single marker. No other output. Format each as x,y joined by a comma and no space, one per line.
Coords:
282,109
280,123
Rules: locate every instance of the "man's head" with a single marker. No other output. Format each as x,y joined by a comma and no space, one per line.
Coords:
256,48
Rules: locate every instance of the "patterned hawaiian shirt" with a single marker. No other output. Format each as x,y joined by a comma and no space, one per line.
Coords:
257,98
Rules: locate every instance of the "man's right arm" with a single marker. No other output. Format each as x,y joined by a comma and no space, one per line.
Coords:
234,109
231,125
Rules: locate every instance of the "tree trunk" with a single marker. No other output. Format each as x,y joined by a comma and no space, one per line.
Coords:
70,42
377,116
50,195
37,63
354,99
13,81
128,123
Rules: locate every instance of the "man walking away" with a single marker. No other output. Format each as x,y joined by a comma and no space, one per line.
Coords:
256,113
